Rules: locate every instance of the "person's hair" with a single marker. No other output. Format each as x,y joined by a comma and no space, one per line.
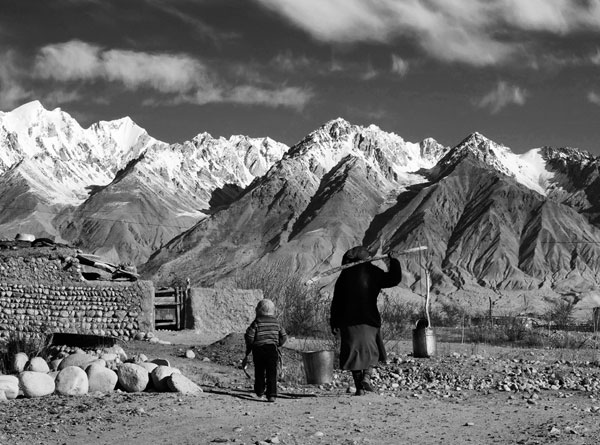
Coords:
265,307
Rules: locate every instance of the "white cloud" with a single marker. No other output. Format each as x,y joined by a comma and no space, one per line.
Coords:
290,63
166,73
475,32
76,60
502,96
593,97
73,60
595,58
399,65
12,93
183,79
292,97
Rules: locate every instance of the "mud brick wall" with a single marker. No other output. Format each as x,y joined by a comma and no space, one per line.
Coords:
217,312
42,291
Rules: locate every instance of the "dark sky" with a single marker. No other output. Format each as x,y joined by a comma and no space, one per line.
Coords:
522,72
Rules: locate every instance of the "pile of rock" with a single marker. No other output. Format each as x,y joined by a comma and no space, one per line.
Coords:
81,372
454,373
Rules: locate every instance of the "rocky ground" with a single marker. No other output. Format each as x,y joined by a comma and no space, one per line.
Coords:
465,394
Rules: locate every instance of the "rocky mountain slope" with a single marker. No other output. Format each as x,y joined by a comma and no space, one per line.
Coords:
492,220
212,209
112,189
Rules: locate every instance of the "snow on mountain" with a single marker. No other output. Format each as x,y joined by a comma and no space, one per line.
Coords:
399,161
62,152
529,169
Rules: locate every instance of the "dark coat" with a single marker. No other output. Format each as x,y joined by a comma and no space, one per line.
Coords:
356,291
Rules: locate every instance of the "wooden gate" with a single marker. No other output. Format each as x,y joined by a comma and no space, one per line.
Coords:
169,308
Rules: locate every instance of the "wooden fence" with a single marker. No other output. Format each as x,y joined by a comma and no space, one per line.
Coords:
169,308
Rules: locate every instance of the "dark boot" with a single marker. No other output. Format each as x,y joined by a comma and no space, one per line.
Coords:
358,377
366,380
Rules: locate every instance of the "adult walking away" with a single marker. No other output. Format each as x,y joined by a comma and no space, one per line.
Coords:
354,313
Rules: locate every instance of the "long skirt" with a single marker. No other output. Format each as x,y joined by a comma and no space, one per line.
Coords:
358,349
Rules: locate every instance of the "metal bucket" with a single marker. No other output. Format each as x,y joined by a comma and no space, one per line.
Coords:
318,366
424,343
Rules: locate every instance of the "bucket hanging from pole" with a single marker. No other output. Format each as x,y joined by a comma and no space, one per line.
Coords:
424,342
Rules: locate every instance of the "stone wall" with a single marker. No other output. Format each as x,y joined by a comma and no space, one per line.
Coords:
42,291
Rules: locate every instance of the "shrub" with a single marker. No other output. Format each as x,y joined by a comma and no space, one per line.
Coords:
302,309
560,313
20,342
397,317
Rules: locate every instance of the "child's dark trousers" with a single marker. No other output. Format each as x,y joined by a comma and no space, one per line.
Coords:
265,370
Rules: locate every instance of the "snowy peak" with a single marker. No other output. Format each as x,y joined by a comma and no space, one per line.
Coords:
530,168
386,152
57,147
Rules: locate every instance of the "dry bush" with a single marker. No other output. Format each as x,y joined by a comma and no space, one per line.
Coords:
16,342
397,317
302,310
560,313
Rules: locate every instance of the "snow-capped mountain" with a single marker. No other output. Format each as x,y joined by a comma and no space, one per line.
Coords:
92,186
208,208
68,158
491,218
165,191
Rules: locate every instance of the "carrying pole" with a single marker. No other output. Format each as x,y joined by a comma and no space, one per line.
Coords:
367,260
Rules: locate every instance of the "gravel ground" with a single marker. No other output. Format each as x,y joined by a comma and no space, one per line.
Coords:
465,394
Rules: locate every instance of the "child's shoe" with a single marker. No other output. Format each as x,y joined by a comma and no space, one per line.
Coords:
271,399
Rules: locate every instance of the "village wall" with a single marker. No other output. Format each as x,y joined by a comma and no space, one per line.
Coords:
216,312
42,291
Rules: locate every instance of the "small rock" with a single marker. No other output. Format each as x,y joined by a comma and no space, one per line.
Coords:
37,364
159,377
161,362
190,354
19,362
179,383
148,365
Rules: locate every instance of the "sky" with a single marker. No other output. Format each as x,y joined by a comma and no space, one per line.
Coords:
525,73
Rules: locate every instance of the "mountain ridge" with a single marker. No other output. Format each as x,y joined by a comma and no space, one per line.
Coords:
208,208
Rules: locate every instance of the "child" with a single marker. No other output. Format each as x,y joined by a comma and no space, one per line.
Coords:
263,338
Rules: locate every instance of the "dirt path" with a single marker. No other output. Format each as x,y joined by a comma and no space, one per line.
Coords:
227,412
334,418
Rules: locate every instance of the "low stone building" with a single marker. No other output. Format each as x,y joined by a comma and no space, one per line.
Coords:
43,291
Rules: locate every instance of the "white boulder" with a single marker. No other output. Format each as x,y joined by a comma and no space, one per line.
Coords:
79,359
179,383
10,385
159,377
132,377
19,362
36,384
37,364
101,379
72,381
